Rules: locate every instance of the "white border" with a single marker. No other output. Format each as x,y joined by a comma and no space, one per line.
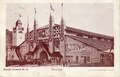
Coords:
56,71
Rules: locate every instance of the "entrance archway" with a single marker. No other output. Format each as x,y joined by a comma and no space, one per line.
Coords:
43,56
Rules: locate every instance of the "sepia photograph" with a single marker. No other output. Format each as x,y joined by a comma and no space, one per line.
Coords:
59,38
59,35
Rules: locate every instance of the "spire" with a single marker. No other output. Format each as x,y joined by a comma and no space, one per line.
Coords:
27,36
27,23
35,23
62,21
35,16
62,10
35,13
62,35
18,23
51,21
51,24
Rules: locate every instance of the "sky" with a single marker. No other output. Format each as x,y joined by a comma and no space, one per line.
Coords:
93,17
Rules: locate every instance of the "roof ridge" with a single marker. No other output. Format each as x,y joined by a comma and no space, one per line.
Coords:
89,33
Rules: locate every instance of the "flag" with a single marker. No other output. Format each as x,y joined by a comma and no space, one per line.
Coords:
20,8
62,4
35,10
19,15
51,7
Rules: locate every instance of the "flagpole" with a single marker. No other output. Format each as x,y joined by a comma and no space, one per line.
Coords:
19,16
50,9
35,24
27,21
51,24
62,9
35,13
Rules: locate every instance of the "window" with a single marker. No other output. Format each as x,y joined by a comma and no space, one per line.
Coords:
22,28
56,31
12,56
20,32
42,33
102,55
94,38
85,36
77,58
14,31
90,37
88,58
81,56
57,43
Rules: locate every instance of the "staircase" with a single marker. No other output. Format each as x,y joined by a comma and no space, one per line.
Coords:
17,50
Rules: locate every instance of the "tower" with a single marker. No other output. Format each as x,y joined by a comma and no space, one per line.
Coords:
34,30
18,33
35,23
62,24
51,24
27,36
62,35
27,33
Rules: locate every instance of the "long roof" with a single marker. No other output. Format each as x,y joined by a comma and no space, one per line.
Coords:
82,32
87,33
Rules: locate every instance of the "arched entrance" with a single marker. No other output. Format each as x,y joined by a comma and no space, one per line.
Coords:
43,56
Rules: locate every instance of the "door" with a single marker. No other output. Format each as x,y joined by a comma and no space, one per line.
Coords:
85,59
77,59
43,56
101,57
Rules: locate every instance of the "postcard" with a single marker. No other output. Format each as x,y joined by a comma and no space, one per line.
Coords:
60,38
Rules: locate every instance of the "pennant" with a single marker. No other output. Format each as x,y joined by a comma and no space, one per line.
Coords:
19,15
35,10
62,4
51,7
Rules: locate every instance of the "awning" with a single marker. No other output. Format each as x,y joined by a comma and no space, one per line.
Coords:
29,53
56,54
13,47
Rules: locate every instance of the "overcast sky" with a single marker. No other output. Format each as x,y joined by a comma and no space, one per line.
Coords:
97,17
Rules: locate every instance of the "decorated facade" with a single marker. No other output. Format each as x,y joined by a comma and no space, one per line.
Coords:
60,43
